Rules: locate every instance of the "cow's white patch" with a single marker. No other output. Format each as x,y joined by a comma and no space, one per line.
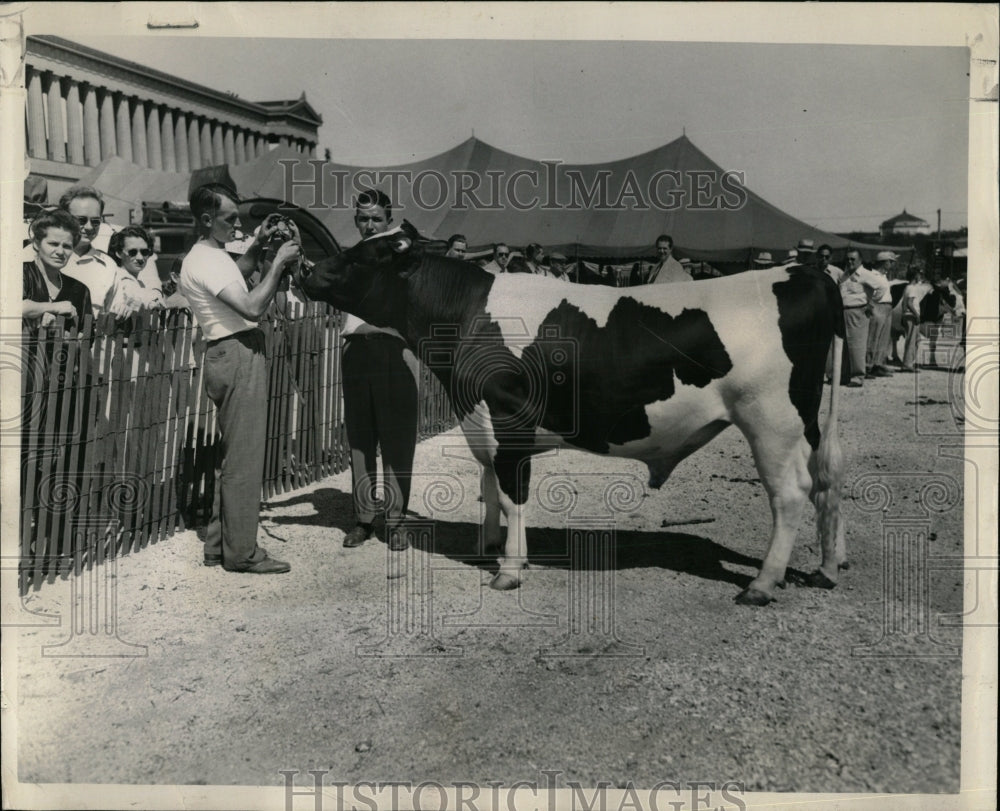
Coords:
519,303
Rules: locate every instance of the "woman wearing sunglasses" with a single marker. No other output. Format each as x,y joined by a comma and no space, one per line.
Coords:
131,248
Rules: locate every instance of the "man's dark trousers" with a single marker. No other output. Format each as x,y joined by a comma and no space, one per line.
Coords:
236,381
380,408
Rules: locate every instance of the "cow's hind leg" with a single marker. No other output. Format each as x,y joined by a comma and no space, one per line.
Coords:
782,462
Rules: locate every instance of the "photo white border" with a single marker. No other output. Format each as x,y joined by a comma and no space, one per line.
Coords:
971,25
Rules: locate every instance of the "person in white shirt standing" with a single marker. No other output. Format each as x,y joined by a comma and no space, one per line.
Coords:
880,324
111,289
235,370
860,288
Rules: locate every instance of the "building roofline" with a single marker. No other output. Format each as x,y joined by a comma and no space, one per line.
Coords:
256,108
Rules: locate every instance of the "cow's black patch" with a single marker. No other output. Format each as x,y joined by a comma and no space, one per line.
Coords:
598,380
810,313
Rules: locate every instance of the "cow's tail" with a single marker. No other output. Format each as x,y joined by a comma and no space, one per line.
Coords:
829,477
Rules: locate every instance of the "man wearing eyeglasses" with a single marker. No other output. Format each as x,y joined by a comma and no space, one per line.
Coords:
824,253
501,256
111,289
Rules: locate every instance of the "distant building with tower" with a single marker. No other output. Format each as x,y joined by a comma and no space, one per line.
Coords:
904,223
85,105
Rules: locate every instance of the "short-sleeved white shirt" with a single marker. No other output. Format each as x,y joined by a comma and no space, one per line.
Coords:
100,273
205,272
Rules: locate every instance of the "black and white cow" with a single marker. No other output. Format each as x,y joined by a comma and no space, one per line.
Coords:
650,373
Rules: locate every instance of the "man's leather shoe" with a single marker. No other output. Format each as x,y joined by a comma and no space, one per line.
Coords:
357,536
852,384
266,566
396,538
881,371
213,560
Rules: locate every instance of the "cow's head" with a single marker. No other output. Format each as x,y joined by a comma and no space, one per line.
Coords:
369,279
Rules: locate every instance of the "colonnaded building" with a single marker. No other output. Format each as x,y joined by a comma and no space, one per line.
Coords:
86,105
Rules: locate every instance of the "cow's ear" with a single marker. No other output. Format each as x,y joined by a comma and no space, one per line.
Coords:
407,228
400,243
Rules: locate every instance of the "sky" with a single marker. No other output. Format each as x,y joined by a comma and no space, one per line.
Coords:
840,136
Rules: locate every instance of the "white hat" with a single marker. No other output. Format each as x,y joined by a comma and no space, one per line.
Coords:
763,258
886,256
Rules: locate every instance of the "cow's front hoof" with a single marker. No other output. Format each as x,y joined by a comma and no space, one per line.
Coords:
750,596
504,582
818,580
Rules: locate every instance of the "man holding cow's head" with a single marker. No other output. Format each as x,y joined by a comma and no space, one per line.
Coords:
235,369
380,404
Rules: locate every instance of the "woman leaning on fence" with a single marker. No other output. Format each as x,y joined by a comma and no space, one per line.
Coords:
52,412
48,293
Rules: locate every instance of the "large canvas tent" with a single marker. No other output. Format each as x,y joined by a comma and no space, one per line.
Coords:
606,211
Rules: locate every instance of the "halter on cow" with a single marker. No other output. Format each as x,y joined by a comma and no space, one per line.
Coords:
651,373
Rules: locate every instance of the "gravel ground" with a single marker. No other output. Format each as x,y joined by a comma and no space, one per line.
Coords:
435,676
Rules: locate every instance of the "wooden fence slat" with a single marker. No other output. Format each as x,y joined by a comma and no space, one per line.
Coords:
159,413
284,388
174,417
53,396
79,396
273,329
31,418
176,443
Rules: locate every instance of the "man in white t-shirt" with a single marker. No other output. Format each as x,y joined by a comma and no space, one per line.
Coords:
235,370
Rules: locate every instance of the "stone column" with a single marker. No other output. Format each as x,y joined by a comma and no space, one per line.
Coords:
109,136
37,147
57,130
140,149
167,149
206,142
123,127
153,136
228,146
240,144
91,126
194,141
181,148
218,151
312,150
74,122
